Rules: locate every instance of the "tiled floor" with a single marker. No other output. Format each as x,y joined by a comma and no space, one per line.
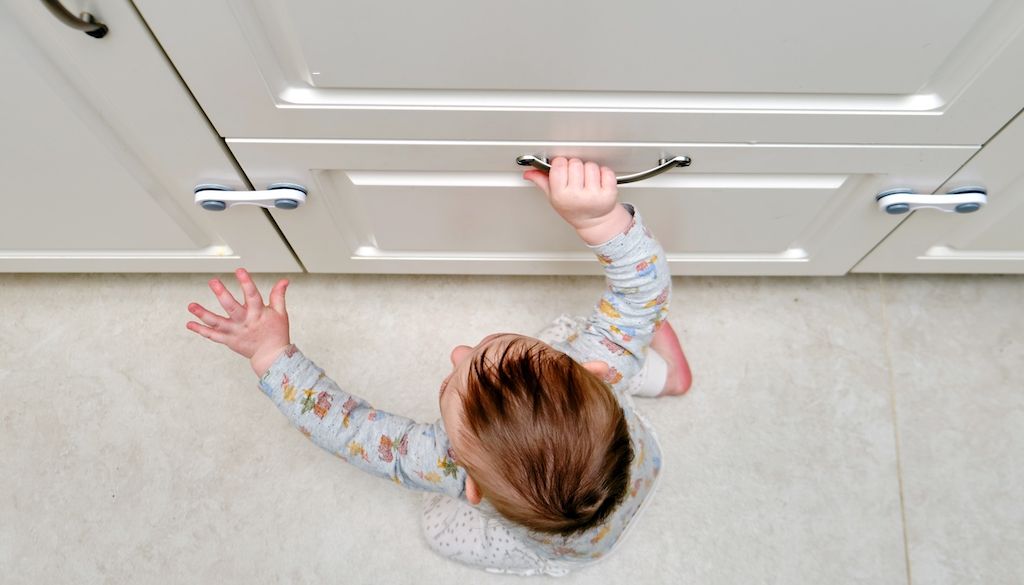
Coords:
863,429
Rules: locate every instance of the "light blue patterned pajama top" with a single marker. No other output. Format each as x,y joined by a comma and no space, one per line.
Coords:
419,456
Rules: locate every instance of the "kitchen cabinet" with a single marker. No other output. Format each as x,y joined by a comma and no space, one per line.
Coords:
100,147
403,122
990,240
794,115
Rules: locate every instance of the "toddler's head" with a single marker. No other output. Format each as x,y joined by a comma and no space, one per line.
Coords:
540,436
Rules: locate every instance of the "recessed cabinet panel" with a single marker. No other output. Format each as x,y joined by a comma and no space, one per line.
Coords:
1005,232
830,48
463,207
69,186
499,212
789,71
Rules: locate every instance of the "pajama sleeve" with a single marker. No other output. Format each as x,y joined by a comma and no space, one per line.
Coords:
635,301
415,455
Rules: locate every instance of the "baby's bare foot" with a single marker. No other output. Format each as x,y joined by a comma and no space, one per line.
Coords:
666,344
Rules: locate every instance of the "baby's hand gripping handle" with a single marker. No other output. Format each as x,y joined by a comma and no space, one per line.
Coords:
664,164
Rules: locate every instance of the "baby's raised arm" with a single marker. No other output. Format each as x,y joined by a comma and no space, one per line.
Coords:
412,454
639,284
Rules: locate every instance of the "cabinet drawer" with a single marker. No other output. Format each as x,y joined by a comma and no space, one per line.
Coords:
788,71
460,207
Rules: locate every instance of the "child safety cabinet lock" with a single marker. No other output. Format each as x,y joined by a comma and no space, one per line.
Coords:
279,195
961,200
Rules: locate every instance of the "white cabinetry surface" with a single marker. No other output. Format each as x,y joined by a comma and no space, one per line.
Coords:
100,147
991,240
451,207
404,120
792,71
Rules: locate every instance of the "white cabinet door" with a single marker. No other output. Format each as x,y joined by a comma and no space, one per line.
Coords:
989,240
463,206
100,147
865,72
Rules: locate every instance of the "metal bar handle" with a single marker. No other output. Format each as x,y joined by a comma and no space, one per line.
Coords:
664,164
86,23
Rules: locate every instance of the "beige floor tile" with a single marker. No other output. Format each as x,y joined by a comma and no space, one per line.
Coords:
957,346
136,451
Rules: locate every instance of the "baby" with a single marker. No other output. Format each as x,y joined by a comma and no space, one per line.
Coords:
540,462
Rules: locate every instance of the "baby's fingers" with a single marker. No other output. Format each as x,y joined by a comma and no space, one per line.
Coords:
575,174
213,320
206,332
253,299
226,299
277,296
539,179
558,177
609,183
592,180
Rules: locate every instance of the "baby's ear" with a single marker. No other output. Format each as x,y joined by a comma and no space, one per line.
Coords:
472,491
599,369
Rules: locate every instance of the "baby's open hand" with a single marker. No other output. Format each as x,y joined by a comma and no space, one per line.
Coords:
584,195
253,330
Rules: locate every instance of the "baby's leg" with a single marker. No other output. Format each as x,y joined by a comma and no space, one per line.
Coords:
458,531
666,344
665,371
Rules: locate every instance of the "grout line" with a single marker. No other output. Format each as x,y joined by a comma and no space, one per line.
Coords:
895,427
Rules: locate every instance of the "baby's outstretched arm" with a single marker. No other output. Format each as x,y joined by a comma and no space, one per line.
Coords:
636,270
412,454
415,455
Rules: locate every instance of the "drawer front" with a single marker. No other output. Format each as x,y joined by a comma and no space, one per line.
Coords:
870,72
459,207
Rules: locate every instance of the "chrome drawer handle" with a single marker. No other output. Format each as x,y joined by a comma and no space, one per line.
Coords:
86,23
664,164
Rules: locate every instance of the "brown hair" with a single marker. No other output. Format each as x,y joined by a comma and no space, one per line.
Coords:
550,446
